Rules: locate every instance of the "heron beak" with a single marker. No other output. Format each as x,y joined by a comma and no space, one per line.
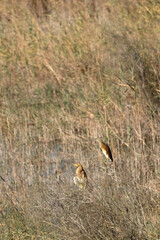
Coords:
75,164
97,139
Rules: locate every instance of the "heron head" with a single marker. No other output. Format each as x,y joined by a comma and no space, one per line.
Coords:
77,164
98,139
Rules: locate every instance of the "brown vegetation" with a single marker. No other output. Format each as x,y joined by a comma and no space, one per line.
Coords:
72,71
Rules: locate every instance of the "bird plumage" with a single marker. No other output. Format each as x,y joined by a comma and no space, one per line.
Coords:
81,178
106,150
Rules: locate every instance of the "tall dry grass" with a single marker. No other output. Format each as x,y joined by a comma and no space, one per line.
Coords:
72,71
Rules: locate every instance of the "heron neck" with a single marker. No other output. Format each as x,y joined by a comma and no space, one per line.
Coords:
79,169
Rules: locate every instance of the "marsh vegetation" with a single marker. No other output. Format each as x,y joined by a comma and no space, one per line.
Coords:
72,71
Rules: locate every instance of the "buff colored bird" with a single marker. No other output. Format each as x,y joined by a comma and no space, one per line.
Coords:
81,179
106,150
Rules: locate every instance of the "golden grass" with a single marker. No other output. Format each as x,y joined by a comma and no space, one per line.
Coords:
72,72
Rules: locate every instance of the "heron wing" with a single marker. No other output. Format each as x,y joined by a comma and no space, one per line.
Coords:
84,175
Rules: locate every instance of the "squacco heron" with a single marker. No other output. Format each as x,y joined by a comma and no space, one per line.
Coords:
81,179
106,150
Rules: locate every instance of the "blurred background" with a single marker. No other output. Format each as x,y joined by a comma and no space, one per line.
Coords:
72,71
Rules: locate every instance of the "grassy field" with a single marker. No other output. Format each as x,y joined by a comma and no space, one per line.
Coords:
72,71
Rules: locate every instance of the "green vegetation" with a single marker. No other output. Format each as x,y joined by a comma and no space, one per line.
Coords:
72,71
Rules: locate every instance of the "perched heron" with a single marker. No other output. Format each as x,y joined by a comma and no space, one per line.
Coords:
106,150
81,179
